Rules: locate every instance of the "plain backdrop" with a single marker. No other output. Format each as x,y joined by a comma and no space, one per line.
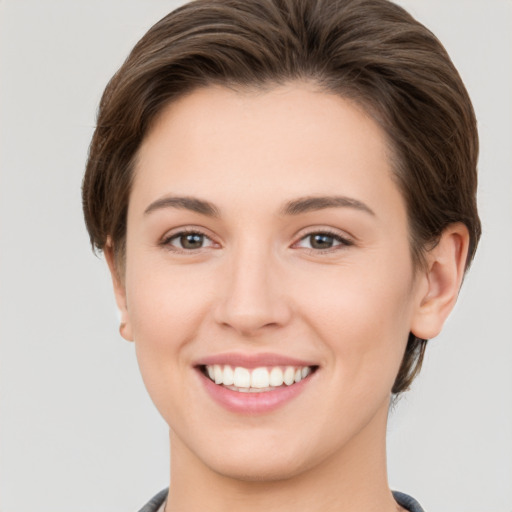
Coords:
77,431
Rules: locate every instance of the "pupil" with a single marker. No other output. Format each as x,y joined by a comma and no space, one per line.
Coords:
191,241
321,241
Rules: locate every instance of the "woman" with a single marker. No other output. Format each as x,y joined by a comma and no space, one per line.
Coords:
285,195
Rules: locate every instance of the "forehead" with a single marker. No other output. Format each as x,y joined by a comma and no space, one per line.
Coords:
239,146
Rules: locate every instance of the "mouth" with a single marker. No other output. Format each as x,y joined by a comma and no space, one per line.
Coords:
256,380
258,384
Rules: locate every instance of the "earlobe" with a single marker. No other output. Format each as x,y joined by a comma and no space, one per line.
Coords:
441,281
119,291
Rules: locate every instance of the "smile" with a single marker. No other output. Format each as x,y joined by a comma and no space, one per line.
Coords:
256,380
251,384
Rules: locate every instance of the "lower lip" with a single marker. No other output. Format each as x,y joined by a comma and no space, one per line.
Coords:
253,403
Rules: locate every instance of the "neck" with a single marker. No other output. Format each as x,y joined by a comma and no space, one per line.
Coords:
351,479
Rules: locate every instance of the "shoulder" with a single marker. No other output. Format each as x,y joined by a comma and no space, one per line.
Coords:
156,502
406,501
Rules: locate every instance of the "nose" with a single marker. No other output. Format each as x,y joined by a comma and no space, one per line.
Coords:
253,297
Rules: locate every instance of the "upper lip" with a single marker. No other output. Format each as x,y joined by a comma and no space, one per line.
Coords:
252,360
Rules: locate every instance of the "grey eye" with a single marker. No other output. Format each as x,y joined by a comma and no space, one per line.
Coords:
189,241
321,241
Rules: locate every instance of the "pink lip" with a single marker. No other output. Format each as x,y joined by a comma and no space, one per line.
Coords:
254,403
252,360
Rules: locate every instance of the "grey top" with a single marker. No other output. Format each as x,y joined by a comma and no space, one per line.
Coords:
402,499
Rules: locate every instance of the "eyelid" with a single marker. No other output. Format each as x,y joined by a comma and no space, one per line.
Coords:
165,240
342,237
345,240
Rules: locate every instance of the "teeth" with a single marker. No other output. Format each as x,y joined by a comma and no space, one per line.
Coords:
260,378
276,377
289,376
242,377
228,376
218,375
256,380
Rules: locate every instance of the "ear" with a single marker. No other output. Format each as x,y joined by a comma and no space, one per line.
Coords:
125,328
441,281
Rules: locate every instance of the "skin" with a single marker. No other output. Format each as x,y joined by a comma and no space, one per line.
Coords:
258,283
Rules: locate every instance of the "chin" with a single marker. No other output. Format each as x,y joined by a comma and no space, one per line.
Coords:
260,460
258,469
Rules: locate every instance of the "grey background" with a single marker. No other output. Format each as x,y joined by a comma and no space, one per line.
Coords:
77,431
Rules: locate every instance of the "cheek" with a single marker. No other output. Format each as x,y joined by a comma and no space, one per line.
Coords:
164,300
166,307
363,316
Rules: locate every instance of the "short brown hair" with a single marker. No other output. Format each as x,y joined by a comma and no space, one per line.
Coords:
370,51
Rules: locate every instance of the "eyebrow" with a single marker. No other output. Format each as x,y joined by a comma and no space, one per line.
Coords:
312,203
294,207
184,203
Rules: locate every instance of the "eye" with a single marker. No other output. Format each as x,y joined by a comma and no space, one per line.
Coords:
188,241
322,241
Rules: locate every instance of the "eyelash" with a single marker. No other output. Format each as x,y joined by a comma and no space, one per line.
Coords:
166,242
342,241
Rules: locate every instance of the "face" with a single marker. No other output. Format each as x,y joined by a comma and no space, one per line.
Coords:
267,240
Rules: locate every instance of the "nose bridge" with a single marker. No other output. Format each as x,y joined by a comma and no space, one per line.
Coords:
252,297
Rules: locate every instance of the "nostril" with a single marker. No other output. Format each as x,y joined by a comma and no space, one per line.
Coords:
250,302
